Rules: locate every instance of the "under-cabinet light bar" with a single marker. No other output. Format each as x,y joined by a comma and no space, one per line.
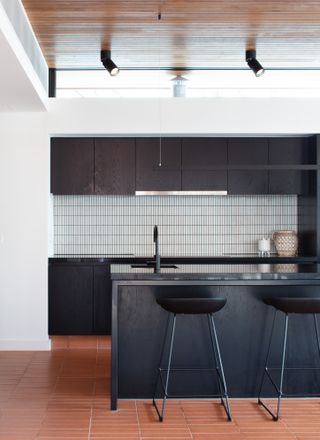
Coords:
181,193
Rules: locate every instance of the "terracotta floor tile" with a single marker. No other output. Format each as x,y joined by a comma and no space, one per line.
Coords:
308,437
165,438
214,428
83,342
61,436
9,436
268,436
59,342
116,436
65,394
104,342
237,436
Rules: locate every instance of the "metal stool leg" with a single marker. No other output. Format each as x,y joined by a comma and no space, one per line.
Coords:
161,415
161,358
215,358
284,349
317,332
226,402
283,358
267,358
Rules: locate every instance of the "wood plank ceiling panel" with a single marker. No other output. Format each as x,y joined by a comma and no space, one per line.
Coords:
202,33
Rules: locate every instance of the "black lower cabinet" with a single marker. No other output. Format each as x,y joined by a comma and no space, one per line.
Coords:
79,299
102,288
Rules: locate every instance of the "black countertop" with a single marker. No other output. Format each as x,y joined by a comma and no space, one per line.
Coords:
208,276
215,259
224,267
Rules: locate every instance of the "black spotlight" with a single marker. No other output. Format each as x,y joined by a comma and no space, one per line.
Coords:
106,60
253,63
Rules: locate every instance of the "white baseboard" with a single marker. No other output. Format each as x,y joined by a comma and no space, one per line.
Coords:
25,344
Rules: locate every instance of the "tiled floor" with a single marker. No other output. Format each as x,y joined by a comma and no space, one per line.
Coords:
64,394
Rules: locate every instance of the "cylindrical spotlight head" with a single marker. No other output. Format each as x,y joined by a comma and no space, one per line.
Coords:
253,63
106,60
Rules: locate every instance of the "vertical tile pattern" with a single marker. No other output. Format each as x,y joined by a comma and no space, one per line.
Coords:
189,225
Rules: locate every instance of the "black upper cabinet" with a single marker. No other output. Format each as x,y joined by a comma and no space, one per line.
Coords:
248,182
248,151
93,166
149,175
124,165
299,182
115,166
72,166
288,152
204,153
200,157
292,151
205,180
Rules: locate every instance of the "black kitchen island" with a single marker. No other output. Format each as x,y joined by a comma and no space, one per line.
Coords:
138,326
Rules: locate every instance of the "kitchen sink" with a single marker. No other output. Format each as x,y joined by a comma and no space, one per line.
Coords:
152,265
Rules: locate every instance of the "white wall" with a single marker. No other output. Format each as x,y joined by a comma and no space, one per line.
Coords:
24,188
24,178
184,116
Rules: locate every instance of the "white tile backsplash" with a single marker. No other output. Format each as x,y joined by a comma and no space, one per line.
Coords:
188,225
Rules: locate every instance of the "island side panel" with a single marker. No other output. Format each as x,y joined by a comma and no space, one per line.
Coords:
114,347
243,328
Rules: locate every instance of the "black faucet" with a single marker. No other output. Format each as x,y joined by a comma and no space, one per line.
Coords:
156,255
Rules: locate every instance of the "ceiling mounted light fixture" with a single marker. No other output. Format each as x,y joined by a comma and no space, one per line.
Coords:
253,63
106,60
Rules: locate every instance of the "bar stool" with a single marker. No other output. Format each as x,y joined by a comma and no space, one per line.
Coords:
191,306
288,306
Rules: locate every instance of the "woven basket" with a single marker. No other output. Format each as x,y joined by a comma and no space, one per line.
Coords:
286,243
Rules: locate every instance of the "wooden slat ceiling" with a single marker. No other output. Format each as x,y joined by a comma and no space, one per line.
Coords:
202,33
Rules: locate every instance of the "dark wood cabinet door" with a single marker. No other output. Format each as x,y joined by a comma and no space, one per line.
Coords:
199,158
292,151
204,153
149,175
70,300
248,151
72,166
102,300
248,182
292,182
205,180
114,166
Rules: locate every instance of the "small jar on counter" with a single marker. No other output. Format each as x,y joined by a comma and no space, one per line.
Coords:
264,247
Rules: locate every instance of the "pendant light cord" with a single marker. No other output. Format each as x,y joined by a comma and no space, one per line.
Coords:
159,106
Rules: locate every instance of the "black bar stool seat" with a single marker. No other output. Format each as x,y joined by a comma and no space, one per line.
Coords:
192,306
295,305
289,306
